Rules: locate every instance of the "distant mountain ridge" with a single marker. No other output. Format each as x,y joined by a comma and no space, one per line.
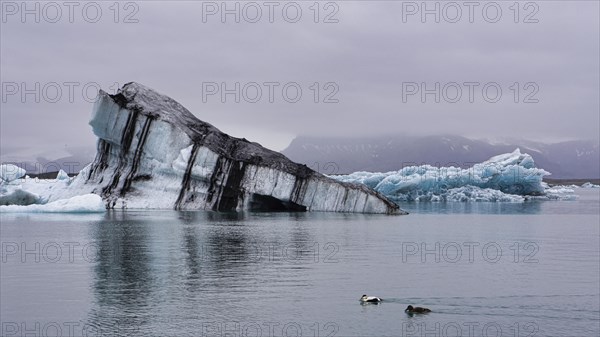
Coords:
35,162
565,160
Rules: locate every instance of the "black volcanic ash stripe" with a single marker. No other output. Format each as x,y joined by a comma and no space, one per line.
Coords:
136,157
101,160
126,139
231,193
185,183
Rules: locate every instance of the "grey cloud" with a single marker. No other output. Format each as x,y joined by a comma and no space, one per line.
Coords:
368,54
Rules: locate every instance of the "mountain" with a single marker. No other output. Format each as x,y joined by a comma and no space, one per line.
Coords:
43,161
565,160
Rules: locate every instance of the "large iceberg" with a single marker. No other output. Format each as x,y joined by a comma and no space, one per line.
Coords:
153,153
510,177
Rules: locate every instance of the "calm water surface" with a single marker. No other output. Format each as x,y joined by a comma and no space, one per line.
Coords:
484,269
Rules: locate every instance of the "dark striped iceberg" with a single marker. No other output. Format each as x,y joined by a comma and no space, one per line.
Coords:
153,153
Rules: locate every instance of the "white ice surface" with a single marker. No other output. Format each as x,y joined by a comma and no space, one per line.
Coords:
87,203
62,175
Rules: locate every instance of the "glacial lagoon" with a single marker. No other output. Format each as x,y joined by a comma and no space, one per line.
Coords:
484,269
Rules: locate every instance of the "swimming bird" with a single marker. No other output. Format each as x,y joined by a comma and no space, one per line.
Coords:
370,299
416,310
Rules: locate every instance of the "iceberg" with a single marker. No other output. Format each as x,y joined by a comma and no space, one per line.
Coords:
87,203
18,196
589,185
510,177
559,193
62,175
472,193
11,191
153,153
10,172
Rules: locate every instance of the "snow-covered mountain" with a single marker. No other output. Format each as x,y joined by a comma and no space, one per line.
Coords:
572,159
40,160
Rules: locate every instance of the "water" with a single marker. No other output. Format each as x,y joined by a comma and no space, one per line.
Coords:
484,269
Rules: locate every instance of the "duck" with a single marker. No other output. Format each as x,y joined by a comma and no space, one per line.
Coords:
416,310
370,299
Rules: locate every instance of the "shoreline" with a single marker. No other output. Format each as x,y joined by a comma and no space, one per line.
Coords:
549,181
573,181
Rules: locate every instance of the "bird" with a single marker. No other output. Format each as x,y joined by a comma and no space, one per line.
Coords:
416,310
370,299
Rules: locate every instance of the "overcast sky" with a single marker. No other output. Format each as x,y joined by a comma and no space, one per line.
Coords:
370,60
